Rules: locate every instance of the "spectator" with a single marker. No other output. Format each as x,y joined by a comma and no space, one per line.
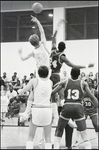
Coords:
17,85
31,76
4,77
11,93
90,74
4,103
1,82
14,78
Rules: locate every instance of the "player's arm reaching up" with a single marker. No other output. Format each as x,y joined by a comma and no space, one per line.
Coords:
55,33
42,33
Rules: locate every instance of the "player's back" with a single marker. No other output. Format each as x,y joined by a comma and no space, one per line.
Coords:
41,56
73,91
42,92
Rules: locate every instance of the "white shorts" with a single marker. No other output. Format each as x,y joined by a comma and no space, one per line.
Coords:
41,116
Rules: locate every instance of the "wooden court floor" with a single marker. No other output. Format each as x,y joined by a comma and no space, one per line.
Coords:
15,137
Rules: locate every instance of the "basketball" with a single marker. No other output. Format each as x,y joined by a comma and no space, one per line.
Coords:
37,8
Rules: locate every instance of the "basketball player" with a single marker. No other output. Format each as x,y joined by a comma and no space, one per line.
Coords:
73,94
41,107
40,53
89,109
57,58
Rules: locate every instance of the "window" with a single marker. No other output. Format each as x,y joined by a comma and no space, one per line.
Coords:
82,23
17,26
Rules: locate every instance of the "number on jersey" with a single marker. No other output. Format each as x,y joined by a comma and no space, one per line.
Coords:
73,94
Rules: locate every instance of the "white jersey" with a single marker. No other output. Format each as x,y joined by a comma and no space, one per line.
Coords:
42,92
41,56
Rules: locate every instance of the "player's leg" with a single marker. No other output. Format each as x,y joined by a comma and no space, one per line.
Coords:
68,136
81,124
59,132
47,131
32,130
55,78
95,122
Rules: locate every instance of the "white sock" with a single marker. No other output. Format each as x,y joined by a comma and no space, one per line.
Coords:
29,145
48,146
87,143
57,142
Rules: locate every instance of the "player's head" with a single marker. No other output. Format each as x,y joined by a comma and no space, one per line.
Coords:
61,46
75,72
34,40
43,72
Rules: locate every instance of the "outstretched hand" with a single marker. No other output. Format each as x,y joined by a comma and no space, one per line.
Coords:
34,19
61,20
90,65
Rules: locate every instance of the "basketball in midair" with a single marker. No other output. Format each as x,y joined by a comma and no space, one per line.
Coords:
37,8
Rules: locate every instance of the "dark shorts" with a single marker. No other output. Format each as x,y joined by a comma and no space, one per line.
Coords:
73,111
55,78
90,112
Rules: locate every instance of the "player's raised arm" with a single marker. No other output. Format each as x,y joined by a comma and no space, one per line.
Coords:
55,33
26,57
92,97
42,33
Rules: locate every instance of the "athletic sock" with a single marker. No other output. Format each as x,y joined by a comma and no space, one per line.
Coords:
57,142
29,145
48,146
87,143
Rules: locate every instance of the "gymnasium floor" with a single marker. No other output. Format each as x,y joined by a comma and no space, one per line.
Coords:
15,137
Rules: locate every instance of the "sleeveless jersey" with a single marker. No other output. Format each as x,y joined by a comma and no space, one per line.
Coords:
42,92
55,62
41,56
73,91
88,104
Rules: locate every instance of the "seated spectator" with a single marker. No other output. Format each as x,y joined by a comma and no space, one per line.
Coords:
24,80
11,93
17,85
13,108
14,78
31,76
4,77
95,84
1,82
83,76
91,75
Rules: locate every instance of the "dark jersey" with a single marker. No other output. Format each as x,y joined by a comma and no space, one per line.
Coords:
55,62
88,105
73,91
